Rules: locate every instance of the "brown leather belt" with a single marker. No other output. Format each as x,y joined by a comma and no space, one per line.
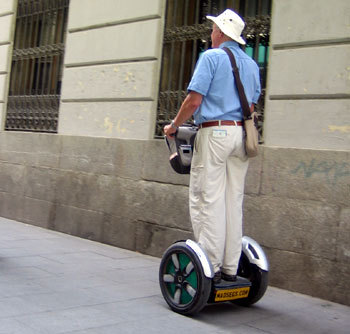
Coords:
218,123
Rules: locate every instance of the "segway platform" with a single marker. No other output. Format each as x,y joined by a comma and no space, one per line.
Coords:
226,291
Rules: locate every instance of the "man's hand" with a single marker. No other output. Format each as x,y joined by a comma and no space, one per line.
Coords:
169,130
192,101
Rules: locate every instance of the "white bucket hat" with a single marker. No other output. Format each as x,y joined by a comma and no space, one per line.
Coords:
230,24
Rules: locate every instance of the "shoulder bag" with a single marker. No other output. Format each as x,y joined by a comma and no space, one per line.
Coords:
250,121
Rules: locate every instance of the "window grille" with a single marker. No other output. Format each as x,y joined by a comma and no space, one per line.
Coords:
187,34
37,61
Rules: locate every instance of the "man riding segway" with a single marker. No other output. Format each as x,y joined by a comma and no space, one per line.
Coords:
218,169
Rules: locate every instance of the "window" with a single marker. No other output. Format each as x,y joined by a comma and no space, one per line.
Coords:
37,61
187,34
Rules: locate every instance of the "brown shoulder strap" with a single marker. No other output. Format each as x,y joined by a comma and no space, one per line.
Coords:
240,88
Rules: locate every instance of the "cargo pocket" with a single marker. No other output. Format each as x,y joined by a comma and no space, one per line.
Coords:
196,180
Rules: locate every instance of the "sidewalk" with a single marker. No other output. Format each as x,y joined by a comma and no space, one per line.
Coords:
55,283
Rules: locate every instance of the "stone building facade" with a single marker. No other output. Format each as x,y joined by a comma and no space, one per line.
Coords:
103,176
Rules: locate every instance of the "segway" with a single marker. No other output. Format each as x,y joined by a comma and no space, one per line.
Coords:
186,274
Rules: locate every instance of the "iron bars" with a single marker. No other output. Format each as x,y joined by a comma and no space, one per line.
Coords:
37,61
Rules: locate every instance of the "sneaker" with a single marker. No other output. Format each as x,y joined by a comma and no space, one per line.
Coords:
229,278
217,277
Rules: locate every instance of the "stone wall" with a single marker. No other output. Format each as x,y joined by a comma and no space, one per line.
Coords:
112,68
109,190
123,192
303,204
300,213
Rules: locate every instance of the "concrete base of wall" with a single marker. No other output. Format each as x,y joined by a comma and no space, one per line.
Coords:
124,193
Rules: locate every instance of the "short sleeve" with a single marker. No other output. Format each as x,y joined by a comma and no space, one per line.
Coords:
203,74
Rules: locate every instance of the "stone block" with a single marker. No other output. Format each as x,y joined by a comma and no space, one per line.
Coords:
154,239
313,124
305,227
120,197
7,6
17,147
119,232
127,157
12,178
121,158
311,175
118,81
165,205
309,275
4,58
156,166
132,41
40,183
37,212
85,191
11,206
295,71
127,199
127,120
87,154
302,21
107,12
5,28
86,224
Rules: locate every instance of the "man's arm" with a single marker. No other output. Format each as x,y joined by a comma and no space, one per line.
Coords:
252,108
192,101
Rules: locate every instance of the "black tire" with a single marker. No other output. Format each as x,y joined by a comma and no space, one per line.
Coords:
182,281
257,277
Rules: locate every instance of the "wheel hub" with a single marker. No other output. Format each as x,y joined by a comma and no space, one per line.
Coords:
180,279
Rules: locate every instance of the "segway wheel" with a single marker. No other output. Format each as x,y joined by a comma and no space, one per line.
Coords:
182,281
257,277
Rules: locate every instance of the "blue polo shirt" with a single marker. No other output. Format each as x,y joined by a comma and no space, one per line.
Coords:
213,78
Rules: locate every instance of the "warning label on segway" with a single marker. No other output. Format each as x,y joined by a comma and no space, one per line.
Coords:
231,294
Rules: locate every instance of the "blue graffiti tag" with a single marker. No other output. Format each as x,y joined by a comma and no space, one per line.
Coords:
332,170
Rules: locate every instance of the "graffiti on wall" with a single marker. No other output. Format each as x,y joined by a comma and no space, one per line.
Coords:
333,171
